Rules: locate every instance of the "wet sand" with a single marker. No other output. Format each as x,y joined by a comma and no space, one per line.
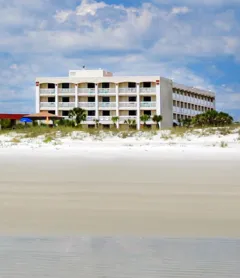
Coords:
148,196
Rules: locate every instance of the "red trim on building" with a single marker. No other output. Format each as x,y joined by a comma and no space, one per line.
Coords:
157,82
12,116
37,83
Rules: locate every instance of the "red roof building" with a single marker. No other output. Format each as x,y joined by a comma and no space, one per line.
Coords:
12,116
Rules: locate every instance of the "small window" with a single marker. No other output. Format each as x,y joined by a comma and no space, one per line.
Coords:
132,99
91,99
147,112
65,113
106,113
65,99
91,113
105,85
51,86
91,85
131,85
51,99
51,112
132,113
65,85
146,84
147,99
105,99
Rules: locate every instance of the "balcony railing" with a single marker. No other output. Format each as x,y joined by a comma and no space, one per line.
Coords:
90,118
47,104
107,104
147,104
70,91
105,118
127,90
147,90
127,104
106,91
47,91
66,104
86,104
125,118
86,91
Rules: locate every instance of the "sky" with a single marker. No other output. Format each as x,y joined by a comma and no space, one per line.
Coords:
193,42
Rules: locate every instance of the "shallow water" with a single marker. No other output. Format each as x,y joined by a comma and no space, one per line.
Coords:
115,257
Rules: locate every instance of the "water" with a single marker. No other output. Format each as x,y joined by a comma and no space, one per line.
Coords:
118,257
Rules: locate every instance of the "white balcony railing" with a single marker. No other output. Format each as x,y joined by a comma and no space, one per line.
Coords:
70,91
147,90
66,104
90,118
147,104
106,91
125,118
47,91
127,90
47,104
87,91
127,104
107,104
105,118
86,104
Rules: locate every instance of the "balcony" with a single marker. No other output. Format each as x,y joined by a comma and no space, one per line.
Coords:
122,119
127,91
66,104
47,92
105,118
86,91
107,91
148,104
145,91
127,105
90,118
47,104
87,105
107,105
66,92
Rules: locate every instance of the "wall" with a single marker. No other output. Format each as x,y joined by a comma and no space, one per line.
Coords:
166,102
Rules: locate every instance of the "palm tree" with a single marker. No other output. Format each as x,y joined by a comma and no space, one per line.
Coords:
144,118
115,120
157,119
78,115
96,122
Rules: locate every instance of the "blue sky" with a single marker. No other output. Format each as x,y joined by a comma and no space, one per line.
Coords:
194,42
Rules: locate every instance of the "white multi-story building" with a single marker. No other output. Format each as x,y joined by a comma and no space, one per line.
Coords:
104,96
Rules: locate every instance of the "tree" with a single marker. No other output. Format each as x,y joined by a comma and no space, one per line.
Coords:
157,119
96,123
131,123
78,114
186,122
115,120
144,118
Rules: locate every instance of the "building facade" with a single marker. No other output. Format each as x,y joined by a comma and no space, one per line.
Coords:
104,96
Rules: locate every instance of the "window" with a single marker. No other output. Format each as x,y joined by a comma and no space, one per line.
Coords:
132,99
91,99
147,99
147,112
106,126
51,86
91,126
106,113
105,85
132,113
65,99
51,99
91,113
147,84
105,99
65,113
51,112
131,85
65,85
91,85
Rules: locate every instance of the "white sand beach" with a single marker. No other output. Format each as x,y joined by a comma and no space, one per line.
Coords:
121,187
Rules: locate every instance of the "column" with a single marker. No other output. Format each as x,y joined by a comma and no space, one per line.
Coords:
96,102
37,97
117,104
158,99
56,99
138,107
76,95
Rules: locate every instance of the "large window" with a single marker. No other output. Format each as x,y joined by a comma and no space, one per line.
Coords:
91,113
147,99
51,99
105,99
106,113
146,84
105,85
65,86
132,113
65,113
65,99
131,85
132,99
51,112
51,86
91,99
147,112
90,85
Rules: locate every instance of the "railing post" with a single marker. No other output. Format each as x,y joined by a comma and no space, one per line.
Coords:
56,99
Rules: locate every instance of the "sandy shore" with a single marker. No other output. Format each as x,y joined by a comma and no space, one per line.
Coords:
55,193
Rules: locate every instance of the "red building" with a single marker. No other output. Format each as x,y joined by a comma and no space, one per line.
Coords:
12,117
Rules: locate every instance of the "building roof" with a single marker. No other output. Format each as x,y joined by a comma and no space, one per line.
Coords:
11,116
42,116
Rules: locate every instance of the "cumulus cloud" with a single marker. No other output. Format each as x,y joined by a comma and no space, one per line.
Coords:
180,10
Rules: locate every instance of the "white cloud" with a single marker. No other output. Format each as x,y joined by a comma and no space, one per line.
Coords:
89,7
180,10
199,2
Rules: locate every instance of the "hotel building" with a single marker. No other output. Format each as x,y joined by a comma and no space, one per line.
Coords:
104,96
